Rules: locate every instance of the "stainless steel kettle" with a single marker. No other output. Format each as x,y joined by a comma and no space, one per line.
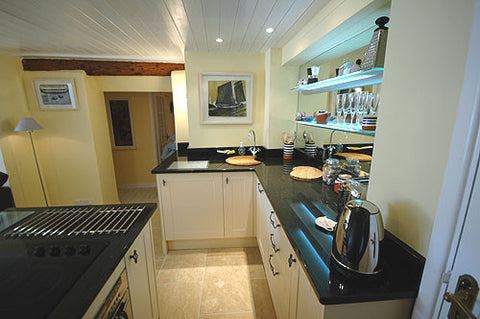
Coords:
359,232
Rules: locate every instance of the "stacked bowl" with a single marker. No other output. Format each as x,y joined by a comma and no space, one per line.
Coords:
369,123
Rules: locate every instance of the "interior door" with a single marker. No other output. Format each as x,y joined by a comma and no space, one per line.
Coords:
467,258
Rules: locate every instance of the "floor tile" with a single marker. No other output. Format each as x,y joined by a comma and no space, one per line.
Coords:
183,266
255,264
226,289
179,300
226,257
262,299
242,315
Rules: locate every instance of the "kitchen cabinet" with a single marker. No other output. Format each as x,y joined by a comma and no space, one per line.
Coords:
277,254
141,277
207,205
192,205
238,204
306,305
140,265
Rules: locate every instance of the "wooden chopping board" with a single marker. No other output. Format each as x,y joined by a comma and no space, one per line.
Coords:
305,173
243,160
361,157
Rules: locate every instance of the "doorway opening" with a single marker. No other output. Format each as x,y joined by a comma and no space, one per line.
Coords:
141,126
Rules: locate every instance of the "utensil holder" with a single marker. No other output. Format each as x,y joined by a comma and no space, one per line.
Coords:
288,151
311,149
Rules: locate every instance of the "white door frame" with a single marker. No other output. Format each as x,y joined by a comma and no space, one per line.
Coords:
458,182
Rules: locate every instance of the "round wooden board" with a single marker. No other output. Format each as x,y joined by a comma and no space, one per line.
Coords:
361,157
243,160
305,173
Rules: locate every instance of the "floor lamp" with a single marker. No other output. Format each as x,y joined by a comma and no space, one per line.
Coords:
28,124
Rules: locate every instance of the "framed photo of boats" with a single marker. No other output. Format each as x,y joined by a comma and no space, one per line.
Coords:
226,98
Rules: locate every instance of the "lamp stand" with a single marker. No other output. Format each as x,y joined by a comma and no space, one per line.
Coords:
38,168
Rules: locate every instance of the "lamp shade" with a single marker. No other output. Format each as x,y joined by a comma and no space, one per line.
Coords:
27,124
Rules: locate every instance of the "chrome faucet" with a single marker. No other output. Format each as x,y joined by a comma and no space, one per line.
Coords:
253,149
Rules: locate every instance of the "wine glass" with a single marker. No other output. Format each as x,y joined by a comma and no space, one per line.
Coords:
349,108
339,106
373,105
357,101
363,107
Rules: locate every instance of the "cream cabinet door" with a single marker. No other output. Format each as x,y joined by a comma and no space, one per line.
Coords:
260,221
308,306
192,205
238,204
139,262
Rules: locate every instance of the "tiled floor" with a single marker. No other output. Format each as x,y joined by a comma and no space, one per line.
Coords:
214,283
138,195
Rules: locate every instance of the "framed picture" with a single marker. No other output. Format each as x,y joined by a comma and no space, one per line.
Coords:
120,122
226,98
55,94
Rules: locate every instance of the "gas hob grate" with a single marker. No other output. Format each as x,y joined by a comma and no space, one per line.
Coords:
78,221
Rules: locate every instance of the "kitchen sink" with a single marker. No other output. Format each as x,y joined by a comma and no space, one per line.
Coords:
188,165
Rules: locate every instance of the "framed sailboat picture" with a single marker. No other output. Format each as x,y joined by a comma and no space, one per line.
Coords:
226,98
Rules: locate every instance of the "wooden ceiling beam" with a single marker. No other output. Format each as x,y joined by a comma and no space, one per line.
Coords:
103,67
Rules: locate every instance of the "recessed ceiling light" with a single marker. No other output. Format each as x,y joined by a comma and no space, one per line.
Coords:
219,40
269,30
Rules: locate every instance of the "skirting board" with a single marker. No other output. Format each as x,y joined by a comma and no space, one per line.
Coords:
212,243
137,185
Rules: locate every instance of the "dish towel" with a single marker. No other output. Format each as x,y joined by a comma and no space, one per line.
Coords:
325,223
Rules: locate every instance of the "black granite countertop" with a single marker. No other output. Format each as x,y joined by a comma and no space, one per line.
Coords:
297,205
75,302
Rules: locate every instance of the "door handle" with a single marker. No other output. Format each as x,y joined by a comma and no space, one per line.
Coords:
134,256
463,300
272,221
291,260
275,249
272,269
226,180
259,189
163,182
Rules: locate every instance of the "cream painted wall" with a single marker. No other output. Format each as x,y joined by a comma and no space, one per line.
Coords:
66,146
424,69
204,135
280,102
132,167
134,83
179,92
16,148
101,139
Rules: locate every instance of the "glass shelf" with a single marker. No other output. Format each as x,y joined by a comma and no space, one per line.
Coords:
348,81
335,127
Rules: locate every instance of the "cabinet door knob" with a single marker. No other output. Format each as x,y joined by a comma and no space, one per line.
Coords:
291,260
134,256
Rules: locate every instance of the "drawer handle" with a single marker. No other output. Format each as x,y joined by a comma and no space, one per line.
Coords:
272,269
259,189
275,225
275,249
134,256
291,260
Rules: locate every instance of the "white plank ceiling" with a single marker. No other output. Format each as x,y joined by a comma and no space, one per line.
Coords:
158,30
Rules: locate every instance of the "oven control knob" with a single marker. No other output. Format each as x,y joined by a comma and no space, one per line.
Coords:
84,249
69,250
39,251
54,251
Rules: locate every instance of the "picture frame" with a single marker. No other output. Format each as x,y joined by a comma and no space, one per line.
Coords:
55,94
120,122
226,98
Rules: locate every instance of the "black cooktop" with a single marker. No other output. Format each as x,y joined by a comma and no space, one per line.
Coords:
35,274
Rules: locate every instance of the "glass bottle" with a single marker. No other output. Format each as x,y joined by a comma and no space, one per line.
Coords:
331,170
